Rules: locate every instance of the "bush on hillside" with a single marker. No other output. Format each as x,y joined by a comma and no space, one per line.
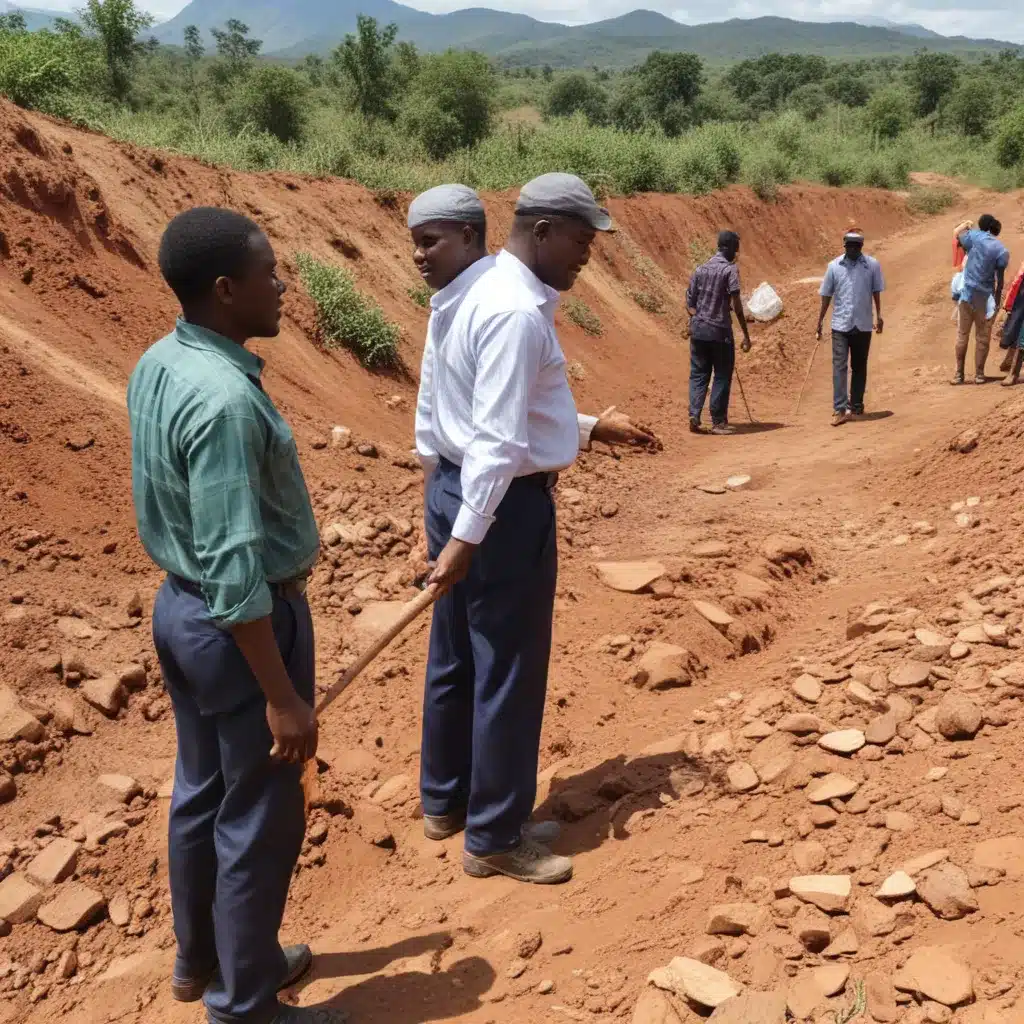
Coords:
39,70
639,167
810,100
347,317
1010,138
971,107
452,102
271,99
889,113
578,93
931,200
766,170
582,316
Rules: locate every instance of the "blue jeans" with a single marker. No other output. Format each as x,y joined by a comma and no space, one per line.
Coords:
707,357
237,819
487,667
850,363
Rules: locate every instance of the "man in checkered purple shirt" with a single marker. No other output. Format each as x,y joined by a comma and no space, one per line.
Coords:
714,287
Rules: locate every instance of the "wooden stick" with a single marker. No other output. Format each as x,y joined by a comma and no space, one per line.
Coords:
412,610
807,376
739,381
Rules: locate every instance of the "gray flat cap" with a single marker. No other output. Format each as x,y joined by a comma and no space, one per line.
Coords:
563,195
454,203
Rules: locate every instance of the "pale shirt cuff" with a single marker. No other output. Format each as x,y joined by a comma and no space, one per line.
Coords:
428,462
470,526
586,424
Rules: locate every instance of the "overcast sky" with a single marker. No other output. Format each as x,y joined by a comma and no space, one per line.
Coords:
997,19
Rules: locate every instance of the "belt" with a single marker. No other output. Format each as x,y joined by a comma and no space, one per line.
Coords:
546,481
283,588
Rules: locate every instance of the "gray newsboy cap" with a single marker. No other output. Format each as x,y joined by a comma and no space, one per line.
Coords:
563,195
455,203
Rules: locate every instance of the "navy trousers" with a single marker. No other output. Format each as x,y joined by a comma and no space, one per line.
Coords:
705,357
237,819
850,351
487,671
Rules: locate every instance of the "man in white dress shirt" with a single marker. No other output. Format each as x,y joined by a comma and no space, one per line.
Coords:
496,422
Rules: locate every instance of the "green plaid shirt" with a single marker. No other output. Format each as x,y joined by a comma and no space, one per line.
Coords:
220,499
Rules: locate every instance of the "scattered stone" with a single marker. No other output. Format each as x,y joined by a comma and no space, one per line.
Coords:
742,777
104,694
54,863
809,857
74,906
15,722
665,666
959,651
897,886
545,988
832,787
882,730
880,997
67,965
712,549
737,919
120,910
975,634
830,893
958,717
800,724
812,928
752,1008
123,787
738,482
965,443
367,450
804,997
782,548
911,674
718,617
859,693
807,688
341,437
844,944
653,1007
932,973
629,577
19,899
899,821
870,917
8,788
710,488
947,891
69,718
847,741
695,981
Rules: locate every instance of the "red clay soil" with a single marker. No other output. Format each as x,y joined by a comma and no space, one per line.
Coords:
645,758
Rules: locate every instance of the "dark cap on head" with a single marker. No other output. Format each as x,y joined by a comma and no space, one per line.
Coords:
562,195
201,245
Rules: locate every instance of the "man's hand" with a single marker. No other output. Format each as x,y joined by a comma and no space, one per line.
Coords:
820,330
452,564
880,326
617,428
295,731
745,347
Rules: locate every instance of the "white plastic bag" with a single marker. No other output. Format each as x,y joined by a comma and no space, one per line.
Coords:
765,304
956,286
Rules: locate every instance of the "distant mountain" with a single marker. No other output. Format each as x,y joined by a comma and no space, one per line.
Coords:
290,29
34,19
919,31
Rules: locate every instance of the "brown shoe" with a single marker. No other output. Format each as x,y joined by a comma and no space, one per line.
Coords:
958,378
445,826
528,862
298,959
839,418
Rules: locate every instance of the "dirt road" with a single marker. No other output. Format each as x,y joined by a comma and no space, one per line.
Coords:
639,777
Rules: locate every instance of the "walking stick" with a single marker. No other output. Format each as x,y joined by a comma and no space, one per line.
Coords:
807,376
411,611
744,394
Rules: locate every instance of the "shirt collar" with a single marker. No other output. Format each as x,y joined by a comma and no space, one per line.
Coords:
453,292
543,295
198,337
861,258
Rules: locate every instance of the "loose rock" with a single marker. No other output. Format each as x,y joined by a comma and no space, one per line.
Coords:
830,893
742,777
934,974
54,863
947,891
846,741
693,980
737,919
958,718
74,906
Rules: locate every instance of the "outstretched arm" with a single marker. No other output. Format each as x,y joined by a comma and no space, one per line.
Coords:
737,308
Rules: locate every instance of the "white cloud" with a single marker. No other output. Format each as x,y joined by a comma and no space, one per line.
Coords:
997,19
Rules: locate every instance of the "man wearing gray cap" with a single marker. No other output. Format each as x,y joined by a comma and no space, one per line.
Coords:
498,424
449,230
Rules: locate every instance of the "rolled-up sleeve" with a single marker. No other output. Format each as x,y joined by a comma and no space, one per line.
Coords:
223,456
734,279
508,354
586,425
425,447
877,279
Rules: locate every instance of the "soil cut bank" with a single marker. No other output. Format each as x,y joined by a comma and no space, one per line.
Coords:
821,679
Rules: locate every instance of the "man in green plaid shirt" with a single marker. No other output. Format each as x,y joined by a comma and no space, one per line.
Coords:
222,507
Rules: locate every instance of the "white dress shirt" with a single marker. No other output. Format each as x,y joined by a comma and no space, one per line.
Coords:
494,398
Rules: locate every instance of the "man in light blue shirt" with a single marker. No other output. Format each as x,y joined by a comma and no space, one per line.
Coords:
851,282
987,259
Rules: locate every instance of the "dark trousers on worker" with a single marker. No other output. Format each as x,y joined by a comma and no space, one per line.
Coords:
487,671
237,819
850,369
707,358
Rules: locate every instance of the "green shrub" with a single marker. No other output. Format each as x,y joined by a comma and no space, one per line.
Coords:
38,70
270,99
347,317
330,158
786,133
421,295
697,170
577,93
582,316
889,113
648,301
639,167
724,141
810,101
765,172
1010,138
931,200
837,170
971,107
